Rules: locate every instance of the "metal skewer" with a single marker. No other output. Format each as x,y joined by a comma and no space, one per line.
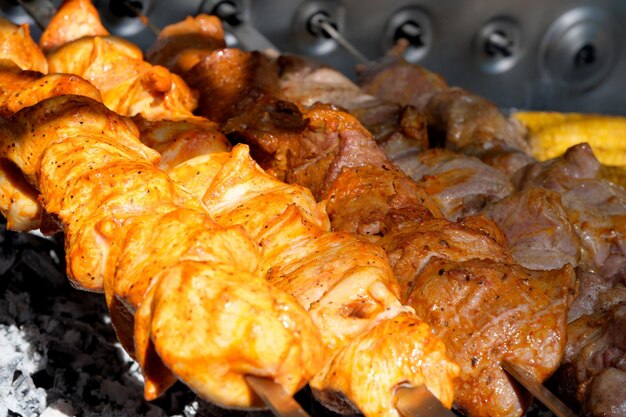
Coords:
40,10
538,390
246,34
144,19
419,402
275,397
321,24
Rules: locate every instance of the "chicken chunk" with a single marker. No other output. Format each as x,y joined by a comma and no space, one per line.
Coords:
129,85
144,241
180,140
18,50
75,19
20,89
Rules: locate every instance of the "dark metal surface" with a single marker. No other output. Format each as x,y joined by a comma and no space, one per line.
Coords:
565,55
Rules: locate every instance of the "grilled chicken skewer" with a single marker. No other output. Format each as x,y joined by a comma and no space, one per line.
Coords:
86,179
344,283
95,179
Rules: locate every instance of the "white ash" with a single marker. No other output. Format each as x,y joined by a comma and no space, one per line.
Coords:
58,352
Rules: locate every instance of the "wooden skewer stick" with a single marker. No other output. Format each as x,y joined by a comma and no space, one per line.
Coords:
538,390
276,398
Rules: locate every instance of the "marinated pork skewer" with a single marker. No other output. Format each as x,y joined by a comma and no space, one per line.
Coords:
564,214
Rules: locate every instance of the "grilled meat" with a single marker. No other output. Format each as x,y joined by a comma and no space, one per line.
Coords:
487,312
345,284
148,244
334,156
145,242
182,45
457,119
389,77
595,207
129,85
398,129
462,185
180,140
18,50
19,89
75,19
593,370
537,229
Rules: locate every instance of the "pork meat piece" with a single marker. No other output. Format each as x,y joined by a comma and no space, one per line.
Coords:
594,369
462,185
537,229
396,128
393,79
456,119
230,80
594,293
595,207
411,247
182,45
372,201
488,311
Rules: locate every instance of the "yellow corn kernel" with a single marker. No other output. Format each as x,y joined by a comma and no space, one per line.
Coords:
550,134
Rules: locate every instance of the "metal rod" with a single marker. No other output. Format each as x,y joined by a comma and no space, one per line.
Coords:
275,397
144,19
41,11
419,402
247,35
538,390
322,22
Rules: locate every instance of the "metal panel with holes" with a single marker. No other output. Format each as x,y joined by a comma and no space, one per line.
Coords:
565,55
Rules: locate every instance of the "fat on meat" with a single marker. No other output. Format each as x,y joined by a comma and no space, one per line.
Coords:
538,232
461,184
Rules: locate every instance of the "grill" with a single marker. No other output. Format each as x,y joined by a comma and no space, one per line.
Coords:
56,344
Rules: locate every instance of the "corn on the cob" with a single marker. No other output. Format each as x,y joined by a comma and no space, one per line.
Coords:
551,133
